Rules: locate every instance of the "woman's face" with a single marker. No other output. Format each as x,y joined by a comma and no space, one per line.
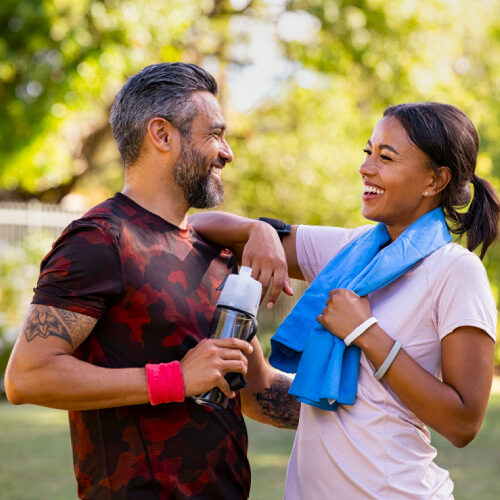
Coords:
396,175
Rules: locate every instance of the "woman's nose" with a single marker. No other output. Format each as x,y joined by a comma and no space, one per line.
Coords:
367,167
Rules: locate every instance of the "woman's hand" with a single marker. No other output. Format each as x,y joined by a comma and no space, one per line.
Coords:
344,311
264,253
255,243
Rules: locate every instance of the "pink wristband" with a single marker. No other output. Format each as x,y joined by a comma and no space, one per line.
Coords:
165,383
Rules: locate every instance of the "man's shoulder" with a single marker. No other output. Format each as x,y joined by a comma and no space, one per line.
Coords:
110,211
105,217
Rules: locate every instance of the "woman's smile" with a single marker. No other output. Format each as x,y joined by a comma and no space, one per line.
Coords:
370,192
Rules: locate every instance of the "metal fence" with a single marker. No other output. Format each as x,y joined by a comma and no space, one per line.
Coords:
18,220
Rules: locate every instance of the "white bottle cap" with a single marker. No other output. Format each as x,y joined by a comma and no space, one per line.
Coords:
242,292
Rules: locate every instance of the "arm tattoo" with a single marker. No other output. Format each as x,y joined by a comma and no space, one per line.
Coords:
48,321
275,402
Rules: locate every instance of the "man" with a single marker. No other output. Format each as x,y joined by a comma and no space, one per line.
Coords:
117,330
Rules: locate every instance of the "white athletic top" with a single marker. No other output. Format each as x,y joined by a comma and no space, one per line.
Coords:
377,448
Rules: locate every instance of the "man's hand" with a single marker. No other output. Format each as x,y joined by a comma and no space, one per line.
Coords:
204,366
264,253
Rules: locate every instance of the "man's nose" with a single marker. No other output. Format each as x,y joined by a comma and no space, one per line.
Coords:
226,152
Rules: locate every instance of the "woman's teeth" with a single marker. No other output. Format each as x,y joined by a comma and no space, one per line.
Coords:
373,190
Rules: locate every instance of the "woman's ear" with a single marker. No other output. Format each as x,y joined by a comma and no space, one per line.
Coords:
441,178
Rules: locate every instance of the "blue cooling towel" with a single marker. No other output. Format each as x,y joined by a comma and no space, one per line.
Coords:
325,368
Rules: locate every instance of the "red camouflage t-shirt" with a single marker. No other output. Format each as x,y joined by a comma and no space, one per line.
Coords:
153,289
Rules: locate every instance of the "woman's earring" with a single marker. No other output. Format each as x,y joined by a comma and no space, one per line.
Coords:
426,194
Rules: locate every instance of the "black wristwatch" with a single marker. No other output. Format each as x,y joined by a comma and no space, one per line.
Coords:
282,228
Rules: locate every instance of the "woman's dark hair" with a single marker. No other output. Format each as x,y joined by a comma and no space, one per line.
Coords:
448,137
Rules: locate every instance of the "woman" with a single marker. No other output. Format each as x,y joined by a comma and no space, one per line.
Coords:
420,160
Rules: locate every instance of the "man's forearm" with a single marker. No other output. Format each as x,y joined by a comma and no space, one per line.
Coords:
67,383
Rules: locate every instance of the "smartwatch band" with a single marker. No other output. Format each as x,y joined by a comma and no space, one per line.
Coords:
282,228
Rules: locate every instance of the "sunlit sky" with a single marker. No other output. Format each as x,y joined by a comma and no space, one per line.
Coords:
264,67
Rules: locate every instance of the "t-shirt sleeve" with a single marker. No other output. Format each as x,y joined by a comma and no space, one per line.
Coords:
82,272
317,245
464,298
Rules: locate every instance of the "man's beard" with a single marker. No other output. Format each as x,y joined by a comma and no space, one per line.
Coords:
192,174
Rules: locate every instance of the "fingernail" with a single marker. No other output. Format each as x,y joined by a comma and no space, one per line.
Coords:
270,305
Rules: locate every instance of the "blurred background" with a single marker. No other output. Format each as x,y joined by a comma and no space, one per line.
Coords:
302,83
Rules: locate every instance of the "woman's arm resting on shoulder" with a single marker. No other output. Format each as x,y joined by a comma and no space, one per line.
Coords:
257,245
454,407
43,371
266,397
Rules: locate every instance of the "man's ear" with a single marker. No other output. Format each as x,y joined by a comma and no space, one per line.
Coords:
441,178
161,134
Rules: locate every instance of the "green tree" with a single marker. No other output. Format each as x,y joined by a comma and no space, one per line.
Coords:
62,62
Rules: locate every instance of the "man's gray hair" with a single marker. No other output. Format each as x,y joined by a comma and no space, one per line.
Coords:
158,90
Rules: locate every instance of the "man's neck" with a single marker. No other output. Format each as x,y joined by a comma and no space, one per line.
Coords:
170,205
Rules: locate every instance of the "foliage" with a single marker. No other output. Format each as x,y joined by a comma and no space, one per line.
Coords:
62,61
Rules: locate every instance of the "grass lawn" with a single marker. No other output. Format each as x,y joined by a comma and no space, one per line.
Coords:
36,457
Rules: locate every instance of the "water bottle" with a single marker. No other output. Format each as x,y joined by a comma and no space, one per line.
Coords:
235,316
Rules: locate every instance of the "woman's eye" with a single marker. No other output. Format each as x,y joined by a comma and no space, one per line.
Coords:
367,151
384,157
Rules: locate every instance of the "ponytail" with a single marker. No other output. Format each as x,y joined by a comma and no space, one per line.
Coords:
480,221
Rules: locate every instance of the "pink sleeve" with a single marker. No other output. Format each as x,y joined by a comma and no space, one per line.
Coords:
317,245
463,298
